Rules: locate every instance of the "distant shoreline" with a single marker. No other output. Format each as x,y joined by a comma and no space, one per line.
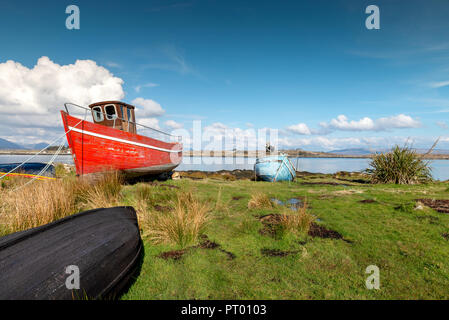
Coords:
242,154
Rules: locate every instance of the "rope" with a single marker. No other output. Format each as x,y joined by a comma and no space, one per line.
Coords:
293,174
36,154
44,169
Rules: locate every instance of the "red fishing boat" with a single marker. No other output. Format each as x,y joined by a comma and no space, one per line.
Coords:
111,142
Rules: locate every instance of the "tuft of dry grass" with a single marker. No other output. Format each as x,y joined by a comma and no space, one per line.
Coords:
36,204
296,221
43,202
182,225
260,201
221,205
104,191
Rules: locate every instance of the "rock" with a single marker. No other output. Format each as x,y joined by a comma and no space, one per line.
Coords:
419,206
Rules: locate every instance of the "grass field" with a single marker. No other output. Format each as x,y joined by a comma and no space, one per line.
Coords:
235,256
408,245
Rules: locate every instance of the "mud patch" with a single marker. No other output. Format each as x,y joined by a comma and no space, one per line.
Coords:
368,201
319,231
174,254
162,208
438,205
205,243
276,252
270,223
230,255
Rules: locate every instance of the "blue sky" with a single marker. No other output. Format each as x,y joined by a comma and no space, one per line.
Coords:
288,65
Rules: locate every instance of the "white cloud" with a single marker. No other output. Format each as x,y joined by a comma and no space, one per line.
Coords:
150,122
216,127
32,97
342,123
111,64
173,124
400,121
46,86
147,108
321,143
300,128
439,84
147,85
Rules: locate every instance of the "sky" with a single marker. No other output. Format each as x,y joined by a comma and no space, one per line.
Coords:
309,69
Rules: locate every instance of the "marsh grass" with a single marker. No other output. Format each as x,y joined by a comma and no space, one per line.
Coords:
181,225
42,202
36,204
296,221
260,200
402,165
102,192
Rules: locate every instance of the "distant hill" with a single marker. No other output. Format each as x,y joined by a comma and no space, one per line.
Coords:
5,144
434,151
353,152
37,146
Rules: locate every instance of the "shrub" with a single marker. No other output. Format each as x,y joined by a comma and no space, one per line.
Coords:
402,165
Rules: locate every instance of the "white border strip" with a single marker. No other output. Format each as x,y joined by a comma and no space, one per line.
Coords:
121,140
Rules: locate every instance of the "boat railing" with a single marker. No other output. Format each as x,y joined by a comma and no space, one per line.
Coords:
161,135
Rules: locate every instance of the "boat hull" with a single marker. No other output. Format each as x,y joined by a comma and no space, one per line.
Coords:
274,168
97,148
104,244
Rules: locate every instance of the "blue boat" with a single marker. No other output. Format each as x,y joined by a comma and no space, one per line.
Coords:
32,168
274,168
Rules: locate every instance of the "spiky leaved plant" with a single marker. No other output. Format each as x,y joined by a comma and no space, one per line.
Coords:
402,165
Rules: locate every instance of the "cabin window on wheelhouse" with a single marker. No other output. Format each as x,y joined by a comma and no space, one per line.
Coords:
97,114
122,112
129,115
111,112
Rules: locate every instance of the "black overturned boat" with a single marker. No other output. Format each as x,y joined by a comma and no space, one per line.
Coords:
40,263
